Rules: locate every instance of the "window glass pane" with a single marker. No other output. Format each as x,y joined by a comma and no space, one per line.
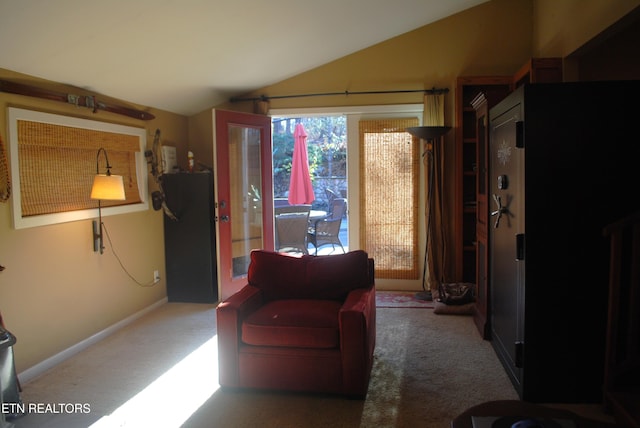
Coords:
246,201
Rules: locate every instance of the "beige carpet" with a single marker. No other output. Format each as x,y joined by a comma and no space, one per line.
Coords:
427,369
401,299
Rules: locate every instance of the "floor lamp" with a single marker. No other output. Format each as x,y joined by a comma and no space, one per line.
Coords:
431,135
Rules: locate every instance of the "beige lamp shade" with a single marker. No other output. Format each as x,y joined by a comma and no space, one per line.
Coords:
108,188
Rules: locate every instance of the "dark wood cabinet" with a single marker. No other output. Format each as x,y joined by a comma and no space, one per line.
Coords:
190,240
468,172
539,70
563,165
485,99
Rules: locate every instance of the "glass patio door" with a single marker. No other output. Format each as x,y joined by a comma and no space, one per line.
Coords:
244,207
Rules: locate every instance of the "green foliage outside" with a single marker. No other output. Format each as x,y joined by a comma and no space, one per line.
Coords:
327,151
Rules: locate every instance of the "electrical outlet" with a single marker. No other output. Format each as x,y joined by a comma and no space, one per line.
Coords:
156,276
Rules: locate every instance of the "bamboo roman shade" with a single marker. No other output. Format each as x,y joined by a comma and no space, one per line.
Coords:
57,164
389,185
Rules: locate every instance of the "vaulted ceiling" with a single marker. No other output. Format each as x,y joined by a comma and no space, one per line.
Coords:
184,56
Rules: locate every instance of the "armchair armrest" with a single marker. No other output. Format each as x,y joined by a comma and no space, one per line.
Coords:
357,339
230,314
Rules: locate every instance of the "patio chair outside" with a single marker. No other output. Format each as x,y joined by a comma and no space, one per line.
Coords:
326,231
331,195
291,232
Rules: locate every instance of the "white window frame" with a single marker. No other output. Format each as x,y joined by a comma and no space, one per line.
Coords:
20,222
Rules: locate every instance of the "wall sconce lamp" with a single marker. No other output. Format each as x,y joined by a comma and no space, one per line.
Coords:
106,187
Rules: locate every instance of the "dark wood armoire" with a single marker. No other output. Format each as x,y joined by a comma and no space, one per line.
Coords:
486,99
190,239
564,163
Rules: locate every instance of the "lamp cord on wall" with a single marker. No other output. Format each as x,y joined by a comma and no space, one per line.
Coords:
141,284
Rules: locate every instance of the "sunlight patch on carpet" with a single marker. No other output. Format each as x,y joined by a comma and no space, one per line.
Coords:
172,398
384,398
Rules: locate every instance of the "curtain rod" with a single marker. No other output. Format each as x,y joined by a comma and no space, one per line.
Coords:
346,93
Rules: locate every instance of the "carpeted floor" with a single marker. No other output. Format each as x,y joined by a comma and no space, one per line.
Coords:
400,299
161,371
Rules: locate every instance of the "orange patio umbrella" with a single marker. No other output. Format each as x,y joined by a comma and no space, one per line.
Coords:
300,187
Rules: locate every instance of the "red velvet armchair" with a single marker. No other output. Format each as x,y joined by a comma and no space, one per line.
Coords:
303,324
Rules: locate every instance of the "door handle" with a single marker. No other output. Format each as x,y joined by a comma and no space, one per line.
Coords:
501,210
224,218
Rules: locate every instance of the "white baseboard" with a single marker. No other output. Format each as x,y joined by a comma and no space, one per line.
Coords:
35,371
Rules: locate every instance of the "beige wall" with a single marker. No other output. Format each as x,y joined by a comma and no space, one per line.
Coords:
55,290
201,137
561,27
472,42
494,38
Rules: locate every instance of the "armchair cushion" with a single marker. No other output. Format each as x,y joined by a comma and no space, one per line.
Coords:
333,277
277,275
294,323
281,276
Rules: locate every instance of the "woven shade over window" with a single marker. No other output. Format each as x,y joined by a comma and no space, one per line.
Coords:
389,196
57,165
